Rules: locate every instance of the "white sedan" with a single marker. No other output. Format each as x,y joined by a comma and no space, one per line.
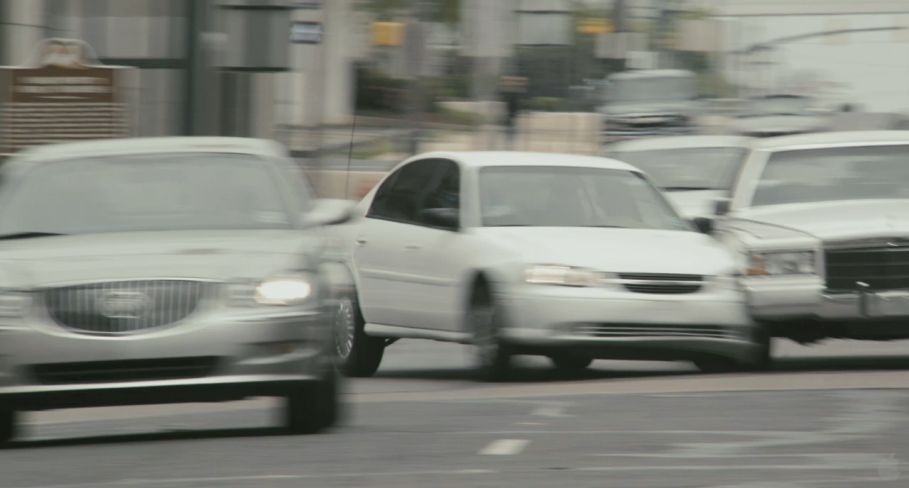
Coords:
571,257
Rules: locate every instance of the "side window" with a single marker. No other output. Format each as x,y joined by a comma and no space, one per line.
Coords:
400,195
445,191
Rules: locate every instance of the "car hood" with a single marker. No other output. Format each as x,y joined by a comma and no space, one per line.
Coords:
216,255
695,203
830,221
616,250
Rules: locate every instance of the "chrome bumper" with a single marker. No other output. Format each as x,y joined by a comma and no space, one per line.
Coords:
784,298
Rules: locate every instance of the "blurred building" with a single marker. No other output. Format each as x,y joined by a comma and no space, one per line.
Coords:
236,67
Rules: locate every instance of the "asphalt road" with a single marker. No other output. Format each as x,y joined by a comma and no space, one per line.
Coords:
832,415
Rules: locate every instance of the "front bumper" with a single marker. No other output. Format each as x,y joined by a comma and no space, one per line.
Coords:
617,324
794,297
245,353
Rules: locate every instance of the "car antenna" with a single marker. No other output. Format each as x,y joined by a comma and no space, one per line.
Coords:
353,130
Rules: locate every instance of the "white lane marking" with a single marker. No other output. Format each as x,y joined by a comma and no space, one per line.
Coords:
263,477
532,424
505,447
550,411
729,467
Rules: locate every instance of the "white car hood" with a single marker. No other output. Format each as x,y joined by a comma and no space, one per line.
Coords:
836,220
615,250
217,255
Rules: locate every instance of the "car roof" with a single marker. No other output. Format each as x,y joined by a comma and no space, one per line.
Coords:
482,159
651,73
145,145
674,142
833,139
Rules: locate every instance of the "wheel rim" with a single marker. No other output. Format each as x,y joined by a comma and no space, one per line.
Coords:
344,327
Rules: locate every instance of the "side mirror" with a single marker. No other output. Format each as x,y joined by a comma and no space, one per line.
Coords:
329,212
704,225
445,218
722,206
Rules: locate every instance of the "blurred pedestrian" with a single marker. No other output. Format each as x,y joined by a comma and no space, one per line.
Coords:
511,92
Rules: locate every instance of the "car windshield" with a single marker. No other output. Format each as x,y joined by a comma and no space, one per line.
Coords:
145,193
541,196
702,168
769,106
832,174
668,88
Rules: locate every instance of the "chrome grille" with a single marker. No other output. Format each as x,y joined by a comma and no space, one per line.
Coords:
661,284
125,307
652,330
879,265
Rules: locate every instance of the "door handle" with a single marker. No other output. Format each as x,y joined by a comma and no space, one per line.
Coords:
361,241
412,247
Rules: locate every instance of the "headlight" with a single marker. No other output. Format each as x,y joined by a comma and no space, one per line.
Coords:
547,274
291,290
13,304
781,263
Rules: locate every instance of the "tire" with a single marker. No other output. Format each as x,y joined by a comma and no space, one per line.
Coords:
312,408
717,364
570,363
763,357
359,355
493,356
8,426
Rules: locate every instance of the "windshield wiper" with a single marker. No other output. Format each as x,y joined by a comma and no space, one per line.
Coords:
28,235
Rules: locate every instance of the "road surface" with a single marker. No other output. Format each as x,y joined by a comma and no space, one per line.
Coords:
833,415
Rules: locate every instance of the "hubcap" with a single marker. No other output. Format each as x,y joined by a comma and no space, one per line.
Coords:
344,328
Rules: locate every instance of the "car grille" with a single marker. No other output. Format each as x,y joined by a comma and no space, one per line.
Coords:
128,370
661,284
652,330
125,307
880,266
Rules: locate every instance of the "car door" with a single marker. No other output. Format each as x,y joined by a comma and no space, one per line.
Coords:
435,257
379,246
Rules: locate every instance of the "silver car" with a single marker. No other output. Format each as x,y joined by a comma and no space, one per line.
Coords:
164,270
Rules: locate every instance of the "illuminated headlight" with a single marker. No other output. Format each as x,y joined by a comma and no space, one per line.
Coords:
288,290
278,290
13,304
781,263
563,276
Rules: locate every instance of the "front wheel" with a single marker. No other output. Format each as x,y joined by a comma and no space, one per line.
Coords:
493,356
7,425
312,408
570,363
359,355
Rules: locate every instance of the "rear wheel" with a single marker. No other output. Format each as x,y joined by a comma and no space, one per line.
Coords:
570,363
493,356
359,355
7,425
312,408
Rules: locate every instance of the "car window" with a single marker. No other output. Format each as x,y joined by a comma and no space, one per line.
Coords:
702,168
400,196
834,174
445,190
572,197
148,192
